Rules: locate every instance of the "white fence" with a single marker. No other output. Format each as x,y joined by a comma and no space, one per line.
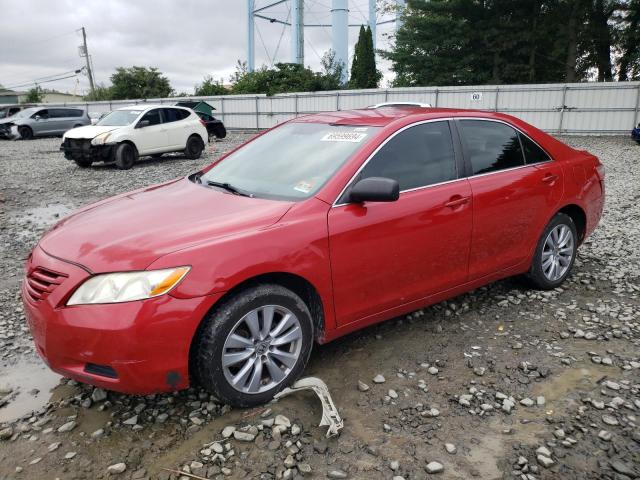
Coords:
573,108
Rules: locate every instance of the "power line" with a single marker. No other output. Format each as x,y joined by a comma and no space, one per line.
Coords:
44,81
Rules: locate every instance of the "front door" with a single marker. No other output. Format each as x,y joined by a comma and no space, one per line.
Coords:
152,138
384,255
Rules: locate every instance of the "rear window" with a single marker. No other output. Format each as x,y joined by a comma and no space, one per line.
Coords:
174,114
491,146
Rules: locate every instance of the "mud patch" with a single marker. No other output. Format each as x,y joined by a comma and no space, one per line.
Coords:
30,384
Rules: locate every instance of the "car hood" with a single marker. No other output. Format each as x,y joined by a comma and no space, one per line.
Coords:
131,231
88,131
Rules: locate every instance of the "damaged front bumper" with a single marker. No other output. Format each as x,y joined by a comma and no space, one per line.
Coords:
82,149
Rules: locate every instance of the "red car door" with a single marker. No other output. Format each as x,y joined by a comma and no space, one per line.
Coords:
512,198
384,255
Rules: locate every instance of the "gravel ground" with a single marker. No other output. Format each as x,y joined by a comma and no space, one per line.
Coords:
503,382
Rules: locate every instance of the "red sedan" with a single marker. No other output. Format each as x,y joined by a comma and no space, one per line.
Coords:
316,228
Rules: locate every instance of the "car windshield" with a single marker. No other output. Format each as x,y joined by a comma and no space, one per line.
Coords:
119,118
26,112
290,162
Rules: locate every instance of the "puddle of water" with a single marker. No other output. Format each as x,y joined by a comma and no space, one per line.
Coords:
572,380
44,216
24,378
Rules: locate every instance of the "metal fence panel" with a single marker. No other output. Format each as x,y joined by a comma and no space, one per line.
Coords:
576,108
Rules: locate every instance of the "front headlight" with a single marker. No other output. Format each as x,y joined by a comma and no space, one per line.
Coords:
127,286
101,139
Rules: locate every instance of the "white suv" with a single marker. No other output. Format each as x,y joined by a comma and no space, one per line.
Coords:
130,132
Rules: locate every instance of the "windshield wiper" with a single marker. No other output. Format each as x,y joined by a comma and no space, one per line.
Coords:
228,187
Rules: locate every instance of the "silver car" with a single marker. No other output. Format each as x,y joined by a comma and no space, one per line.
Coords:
40,122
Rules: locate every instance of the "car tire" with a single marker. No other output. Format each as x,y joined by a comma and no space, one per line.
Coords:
555,253
126,156
220,131
83,162
25,133
194,147
224,346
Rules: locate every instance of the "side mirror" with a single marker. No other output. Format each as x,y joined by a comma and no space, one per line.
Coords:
37,117
375,189
142,124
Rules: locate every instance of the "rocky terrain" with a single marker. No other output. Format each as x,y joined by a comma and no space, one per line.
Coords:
503,382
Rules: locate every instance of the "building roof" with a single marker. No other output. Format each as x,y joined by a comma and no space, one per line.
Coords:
10,93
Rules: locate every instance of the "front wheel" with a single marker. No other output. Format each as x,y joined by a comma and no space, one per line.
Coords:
555,253
25,133
253,345
83,162
126,156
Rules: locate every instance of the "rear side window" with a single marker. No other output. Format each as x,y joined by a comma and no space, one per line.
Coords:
532,152
174,114
491,146
153,116
416,157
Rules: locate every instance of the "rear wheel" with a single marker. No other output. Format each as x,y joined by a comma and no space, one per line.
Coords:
194,147
25,133
126,156
555,253
253,345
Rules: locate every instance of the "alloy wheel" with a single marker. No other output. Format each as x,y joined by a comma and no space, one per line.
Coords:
557,252
262,349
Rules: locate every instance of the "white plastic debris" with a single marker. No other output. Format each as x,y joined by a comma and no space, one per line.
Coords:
330,415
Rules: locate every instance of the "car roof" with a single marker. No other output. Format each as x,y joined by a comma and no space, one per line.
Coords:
147,106
383,116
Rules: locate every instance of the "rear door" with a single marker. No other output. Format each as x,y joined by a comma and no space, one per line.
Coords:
384,255
152,138
512,198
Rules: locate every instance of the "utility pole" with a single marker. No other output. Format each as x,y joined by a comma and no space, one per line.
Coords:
251,6
297,31
86,55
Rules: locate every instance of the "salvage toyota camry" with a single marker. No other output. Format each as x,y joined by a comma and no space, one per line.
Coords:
316,228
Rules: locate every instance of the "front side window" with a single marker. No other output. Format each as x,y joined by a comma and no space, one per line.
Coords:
416,157
291,162
43,114
153,116
491,146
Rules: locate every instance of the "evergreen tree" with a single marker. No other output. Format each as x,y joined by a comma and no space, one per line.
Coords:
364,73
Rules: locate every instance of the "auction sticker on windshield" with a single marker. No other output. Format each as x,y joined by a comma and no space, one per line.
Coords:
355,137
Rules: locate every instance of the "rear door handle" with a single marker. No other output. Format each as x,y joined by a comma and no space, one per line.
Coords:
456,201
550,178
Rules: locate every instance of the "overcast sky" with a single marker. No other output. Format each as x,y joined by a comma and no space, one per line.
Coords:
185,39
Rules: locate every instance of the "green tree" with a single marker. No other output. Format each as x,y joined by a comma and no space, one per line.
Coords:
466,42
210,87
139,82
34,95
628,62
364,73
284,78
100,93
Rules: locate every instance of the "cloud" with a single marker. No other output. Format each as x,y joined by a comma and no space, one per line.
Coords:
185,40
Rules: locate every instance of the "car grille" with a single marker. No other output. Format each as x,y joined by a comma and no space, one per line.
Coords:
77,144
40,282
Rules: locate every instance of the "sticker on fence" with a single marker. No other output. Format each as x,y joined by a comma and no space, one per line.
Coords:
354,137
476,96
